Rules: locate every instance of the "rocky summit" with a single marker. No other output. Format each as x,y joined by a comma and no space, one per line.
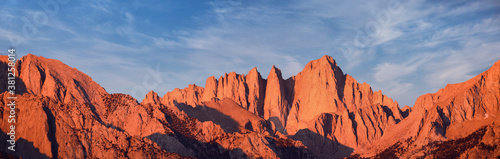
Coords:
319,113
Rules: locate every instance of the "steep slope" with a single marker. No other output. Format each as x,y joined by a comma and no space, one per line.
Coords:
451,114
335,106
54,79
46,128
62,113
322,87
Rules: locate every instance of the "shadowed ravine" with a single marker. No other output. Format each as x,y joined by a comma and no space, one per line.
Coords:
24,148
51,120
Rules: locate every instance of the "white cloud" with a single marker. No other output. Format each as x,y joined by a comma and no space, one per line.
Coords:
385,72
461,65
101,5
472,7
464,32
398,80
389,71
11,38
386,34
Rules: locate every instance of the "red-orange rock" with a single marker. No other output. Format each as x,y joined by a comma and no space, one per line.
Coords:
248,91
295,103
233,86
190,95
256,92
450,115
54,79
276,106
63,113
318,89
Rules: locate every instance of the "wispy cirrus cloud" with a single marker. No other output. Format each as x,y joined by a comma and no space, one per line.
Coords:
462,64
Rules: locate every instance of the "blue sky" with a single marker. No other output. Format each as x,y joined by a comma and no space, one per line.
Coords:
403,47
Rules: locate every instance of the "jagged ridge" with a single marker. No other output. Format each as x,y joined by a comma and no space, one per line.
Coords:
321,112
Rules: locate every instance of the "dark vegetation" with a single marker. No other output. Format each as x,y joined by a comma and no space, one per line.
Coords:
285,148
395,150
444,149
454,148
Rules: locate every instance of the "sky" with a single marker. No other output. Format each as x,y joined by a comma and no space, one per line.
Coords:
405,48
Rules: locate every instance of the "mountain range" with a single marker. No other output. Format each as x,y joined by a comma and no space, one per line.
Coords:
319,113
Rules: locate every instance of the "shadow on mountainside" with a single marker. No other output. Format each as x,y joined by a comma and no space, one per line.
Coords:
184,132
51,121
7,156
316,144
277,123
182,145
204,113
24,148
322,146
285,148
184,139
20,85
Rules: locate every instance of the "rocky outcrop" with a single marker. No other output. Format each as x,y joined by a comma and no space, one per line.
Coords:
256,92
190,96
233,86
247,91
276,105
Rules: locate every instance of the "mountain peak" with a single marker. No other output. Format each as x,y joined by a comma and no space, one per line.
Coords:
275,72
40,60
52,78
274,67
152,97
325,62
495,69
328,59
253,70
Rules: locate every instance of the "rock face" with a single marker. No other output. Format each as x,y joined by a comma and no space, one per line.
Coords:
276,105
333,92
247,91
319,113
334,105
256,92
444,121
52,78
357,115
62,113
